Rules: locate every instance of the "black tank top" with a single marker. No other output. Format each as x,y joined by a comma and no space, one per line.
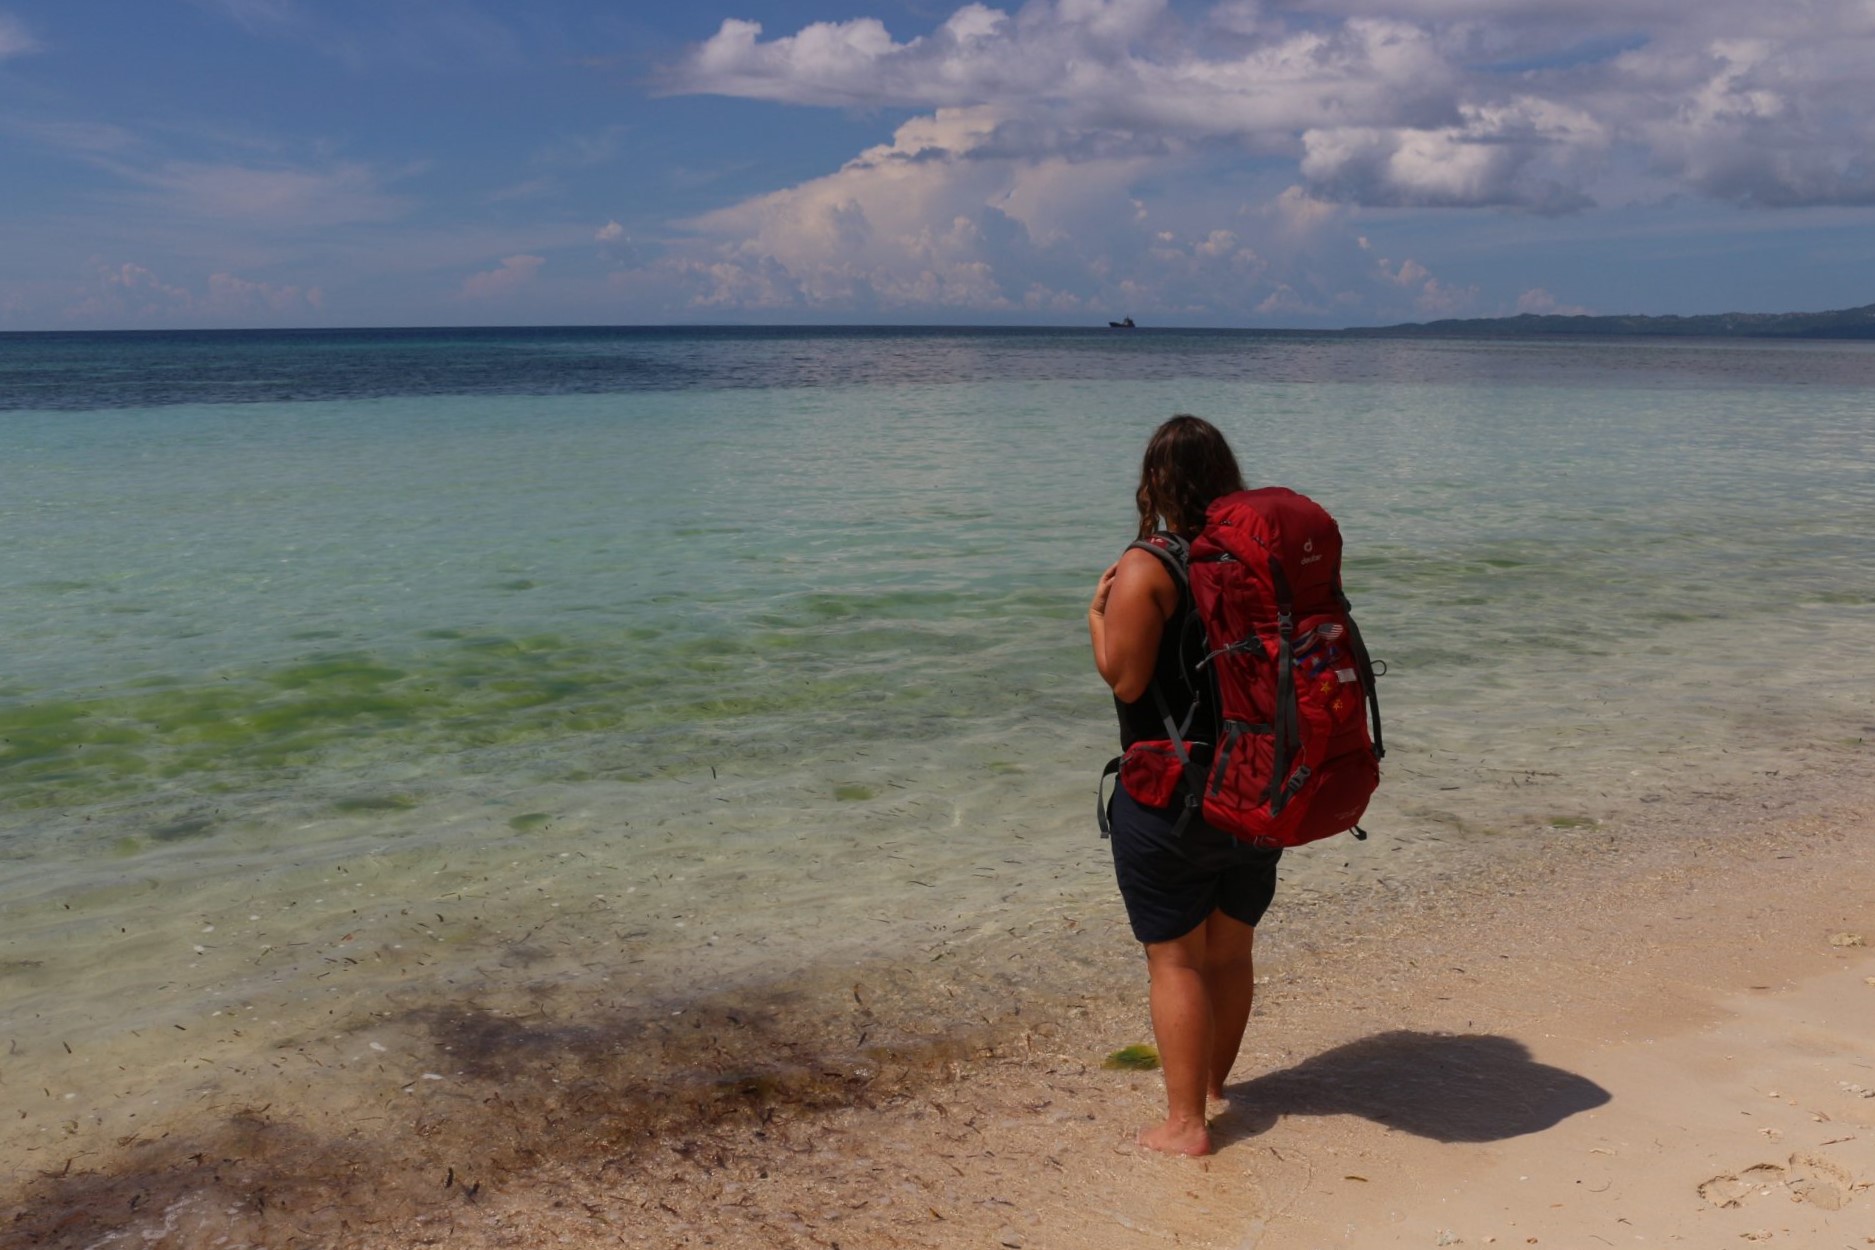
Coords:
1175,673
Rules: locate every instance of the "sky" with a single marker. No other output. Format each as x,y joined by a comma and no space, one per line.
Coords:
1325,163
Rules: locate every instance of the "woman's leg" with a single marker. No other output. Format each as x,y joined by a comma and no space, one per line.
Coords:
1230,984
1182,1023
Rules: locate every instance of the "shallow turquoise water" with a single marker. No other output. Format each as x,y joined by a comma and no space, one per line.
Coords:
766,632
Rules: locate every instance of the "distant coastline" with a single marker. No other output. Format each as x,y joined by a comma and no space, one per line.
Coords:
1847,323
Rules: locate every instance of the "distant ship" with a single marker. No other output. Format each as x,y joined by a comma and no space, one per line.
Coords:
1121,325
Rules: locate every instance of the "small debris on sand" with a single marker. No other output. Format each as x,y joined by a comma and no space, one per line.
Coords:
1137,1058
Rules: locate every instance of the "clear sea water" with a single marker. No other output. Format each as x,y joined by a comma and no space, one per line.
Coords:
344,666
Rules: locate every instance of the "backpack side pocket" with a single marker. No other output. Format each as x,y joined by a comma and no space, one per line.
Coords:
1150,771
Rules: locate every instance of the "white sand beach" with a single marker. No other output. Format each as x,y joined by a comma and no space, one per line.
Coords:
1651,1033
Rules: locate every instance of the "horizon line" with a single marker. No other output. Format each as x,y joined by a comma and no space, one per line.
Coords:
1300,331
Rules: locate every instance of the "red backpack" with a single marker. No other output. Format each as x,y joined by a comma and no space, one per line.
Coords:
1290,758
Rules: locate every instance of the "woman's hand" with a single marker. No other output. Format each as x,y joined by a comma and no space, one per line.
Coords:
1099,606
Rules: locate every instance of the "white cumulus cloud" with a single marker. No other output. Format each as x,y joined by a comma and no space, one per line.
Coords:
1437,299
228,293
948,216
938,218
1537,300
1433,103
1408,273
130,291
509,276
1071,154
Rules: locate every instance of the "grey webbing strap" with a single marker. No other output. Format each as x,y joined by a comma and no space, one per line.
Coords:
1194,780
1366,663
1221,765
1100,796
1252,643
1234,730
1288,725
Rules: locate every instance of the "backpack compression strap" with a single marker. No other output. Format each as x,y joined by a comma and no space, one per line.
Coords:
1367,670
1287,719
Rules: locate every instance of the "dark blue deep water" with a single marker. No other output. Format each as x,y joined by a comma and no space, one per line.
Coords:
135,369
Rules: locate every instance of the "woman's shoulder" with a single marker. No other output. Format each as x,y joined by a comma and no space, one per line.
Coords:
1166,552
1149,570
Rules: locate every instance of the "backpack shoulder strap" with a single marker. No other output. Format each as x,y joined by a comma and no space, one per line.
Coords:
1174,552
1367,670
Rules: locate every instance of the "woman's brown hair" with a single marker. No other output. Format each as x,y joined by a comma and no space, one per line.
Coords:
1187,465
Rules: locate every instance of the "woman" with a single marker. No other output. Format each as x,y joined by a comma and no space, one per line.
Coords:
1193,896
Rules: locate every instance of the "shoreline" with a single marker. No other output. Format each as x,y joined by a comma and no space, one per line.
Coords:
876,1104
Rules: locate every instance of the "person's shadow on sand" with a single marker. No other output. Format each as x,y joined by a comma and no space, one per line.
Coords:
1449,1087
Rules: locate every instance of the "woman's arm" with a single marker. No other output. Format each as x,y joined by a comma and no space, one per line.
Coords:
1131,605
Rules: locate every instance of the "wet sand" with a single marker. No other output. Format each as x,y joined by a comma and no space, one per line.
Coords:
1653,1028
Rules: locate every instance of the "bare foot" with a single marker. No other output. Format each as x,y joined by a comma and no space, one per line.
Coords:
1177,1137
1216,1102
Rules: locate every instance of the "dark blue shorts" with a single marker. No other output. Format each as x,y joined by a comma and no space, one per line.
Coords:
1172,884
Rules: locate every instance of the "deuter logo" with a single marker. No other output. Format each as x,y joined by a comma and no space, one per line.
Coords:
1308,546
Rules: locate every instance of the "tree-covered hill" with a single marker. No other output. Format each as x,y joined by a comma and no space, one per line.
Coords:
1848,323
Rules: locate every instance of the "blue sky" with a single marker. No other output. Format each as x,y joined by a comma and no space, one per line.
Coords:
175,163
